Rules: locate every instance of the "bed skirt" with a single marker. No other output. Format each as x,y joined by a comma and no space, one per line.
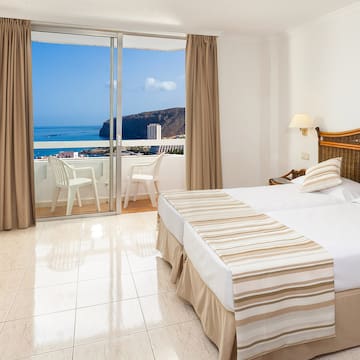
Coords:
170,249
219,323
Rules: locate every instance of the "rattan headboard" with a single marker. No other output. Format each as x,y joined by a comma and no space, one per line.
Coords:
345,144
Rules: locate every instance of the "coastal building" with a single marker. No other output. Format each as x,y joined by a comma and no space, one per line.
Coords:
171,149
154,131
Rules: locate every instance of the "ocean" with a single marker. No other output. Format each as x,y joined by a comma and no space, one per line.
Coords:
64,133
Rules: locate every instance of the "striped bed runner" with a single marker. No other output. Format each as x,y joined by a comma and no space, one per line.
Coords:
283,283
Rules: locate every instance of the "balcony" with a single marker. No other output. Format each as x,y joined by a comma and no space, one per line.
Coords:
172,172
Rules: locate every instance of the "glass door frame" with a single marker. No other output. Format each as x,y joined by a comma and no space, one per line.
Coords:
118,138
118,38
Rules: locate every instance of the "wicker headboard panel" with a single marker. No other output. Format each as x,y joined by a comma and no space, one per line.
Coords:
345,144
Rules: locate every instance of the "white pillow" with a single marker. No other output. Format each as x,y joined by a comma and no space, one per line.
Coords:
322,176
299,180
348,190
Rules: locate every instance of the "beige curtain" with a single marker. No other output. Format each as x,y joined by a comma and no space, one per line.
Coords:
17,206
203,158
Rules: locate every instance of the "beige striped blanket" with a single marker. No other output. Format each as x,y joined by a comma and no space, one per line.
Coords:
283,283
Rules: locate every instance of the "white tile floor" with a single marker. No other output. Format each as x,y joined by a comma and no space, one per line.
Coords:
95,289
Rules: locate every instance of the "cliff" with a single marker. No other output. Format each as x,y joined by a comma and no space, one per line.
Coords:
172,123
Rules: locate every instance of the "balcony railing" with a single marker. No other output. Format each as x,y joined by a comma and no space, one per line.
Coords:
104,143
172,170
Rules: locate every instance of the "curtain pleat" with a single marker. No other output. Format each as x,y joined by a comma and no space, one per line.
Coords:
203,156
17,202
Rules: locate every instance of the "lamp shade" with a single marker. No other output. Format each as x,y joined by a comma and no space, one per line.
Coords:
301,121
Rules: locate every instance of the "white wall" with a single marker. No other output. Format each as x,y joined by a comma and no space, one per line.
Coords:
324,77
242,98
249,88
264,80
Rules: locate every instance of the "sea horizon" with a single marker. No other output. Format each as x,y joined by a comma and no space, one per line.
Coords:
64,133
67,133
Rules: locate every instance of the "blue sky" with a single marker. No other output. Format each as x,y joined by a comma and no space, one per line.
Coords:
71,83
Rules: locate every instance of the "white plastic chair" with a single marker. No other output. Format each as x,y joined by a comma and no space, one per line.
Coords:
65,178
147,174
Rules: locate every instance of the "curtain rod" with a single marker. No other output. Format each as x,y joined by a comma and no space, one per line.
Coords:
85,30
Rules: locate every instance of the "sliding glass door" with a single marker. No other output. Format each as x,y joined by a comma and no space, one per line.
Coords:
75,81
79,78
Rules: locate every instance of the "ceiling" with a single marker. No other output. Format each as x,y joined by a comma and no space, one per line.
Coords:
128,41
173,16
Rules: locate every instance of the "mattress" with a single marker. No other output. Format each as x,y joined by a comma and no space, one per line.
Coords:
261,198
335,227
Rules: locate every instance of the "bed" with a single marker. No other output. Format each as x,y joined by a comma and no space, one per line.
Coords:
261,198
205,281
321,224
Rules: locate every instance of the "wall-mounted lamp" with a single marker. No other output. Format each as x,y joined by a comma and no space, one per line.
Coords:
303,122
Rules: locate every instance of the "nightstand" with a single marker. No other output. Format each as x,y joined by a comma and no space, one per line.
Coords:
286,179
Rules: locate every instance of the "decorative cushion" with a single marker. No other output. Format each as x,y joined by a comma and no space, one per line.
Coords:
322,176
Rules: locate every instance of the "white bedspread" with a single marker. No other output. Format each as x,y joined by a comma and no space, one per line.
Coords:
335,227
261,198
